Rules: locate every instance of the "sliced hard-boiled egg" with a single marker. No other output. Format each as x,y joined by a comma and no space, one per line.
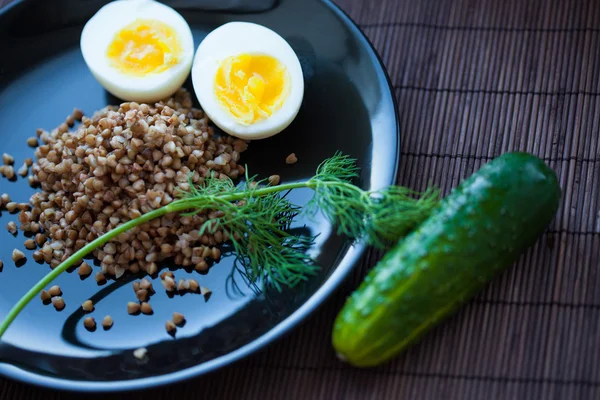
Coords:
139,50
248,80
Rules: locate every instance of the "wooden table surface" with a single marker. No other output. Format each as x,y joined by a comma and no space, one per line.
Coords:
474,79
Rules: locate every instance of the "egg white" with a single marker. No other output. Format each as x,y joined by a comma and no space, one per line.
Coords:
99,32
243,37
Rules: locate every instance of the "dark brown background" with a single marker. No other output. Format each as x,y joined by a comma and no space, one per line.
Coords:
474,79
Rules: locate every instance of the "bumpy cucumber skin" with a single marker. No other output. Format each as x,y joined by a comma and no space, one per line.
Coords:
477,231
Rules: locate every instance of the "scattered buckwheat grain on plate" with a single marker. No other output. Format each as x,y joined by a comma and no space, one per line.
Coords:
89,323
45,296
133,308
178,319
291,159
59,303
107,322
11,227
55,291
146,308
88,306
170,327
140,353
7,159
17,255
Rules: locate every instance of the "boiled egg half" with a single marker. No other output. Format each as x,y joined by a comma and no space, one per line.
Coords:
248,80
139,50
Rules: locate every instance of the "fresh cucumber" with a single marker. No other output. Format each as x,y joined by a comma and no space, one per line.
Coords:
477,231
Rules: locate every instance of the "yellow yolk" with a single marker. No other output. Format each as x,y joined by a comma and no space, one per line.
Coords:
144,47
252,87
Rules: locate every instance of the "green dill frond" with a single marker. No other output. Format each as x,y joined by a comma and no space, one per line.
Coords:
339,166
258,227
257,218
379,217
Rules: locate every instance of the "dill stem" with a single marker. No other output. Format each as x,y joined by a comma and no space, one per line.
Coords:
175,206
333,190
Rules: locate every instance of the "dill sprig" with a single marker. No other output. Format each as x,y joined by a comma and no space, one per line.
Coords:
258,227
378,217
257,218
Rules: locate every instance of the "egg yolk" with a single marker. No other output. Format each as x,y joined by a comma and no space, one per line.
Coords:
252,87
144,47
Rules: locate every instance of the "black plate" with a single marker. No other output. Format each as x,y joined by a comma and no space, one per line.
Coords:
348,106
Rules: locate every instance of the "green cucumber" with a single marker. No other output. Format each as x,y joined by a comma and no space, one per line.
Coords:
480,229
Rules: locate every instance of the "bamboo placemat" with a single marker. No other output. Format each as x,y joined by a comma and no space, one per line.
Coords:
474,79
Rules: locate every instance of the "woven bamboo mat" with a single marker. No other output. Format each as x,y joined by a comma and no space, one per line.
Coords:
474,79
